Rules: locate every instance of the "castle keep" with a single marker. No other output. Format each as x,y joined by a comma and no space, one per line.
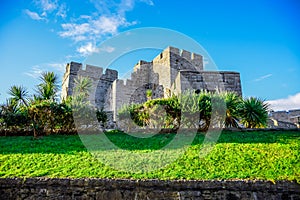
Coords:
173,71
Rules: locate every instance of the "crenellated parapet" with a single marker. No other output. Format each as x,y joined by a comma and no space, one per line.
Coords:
179,59
210,81
101,82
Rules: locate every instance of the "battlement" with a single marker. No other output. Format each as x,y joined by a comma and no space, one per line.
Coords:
179,59
74,70
126,83
182,53
140,64
75,66
110,75
94,72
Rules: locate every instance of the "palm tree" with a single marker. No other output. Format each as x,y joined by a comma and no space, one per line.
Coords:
10,106
47,90
83,85
253,112
19,94
83,111
189,104
232,101
205,109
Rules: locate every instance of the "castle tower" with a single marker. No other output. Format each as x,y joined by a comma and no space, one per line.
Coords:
170,62
101,83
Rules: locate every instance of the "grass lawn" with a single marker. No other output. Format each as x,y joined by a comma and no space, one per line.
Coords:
237,155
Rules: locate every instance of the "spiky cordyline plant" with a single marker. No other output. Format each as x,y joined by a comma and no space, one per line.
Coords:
253,112
19,94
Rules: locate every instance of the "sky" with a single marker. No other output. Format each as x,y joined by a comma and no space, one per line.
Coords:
258,38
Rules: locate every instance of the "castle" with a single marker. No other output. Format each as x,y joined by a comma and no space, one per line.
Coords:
173,71
285,119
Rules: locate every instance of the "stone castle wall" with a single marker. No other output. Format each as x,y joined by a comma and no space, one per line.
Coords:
285,115
101,83
134,90
170,62
106,189
210,81
285,118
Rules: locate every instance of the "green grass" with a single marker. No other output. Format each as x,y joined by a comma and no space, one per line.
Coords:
237,155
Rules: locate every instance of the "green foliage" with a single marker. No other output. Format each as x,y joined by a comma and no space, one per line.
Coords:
42,114
13,116
193,110
131,116
198,111
156,113
84,113
19,95
149,94
83,86
101,116
64,117
205,108
232,102
47,116
48,88
253,112
237,155
190,109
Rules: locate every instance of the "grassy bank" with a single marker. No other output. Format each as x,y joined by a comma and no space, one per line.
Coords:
237,155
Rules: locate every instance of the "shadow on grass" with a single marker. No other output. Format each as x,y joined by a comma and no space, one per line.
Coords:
57,144
62,144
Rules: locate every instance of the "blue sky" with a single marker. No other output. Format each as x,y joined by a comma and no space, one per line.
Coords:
258,38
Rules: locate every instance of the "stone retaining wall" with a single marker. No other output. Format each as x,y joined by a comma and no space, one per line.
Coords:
42,188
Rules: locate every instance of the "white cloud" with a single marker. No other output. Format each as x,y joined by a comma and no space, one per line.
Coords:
59,67
149,2
107,25
85,17
289,103
87,49
62,11
90,48
37,70
125,6
33,15
263,77
108,49
75,31
93,29
89,29
47,5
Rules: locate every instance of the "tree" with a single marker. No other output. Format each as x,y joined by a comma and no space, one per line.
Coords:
189,105
253,112
83,85
84,112
42,114
47,90
12,116
232,101
205,108
19,95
